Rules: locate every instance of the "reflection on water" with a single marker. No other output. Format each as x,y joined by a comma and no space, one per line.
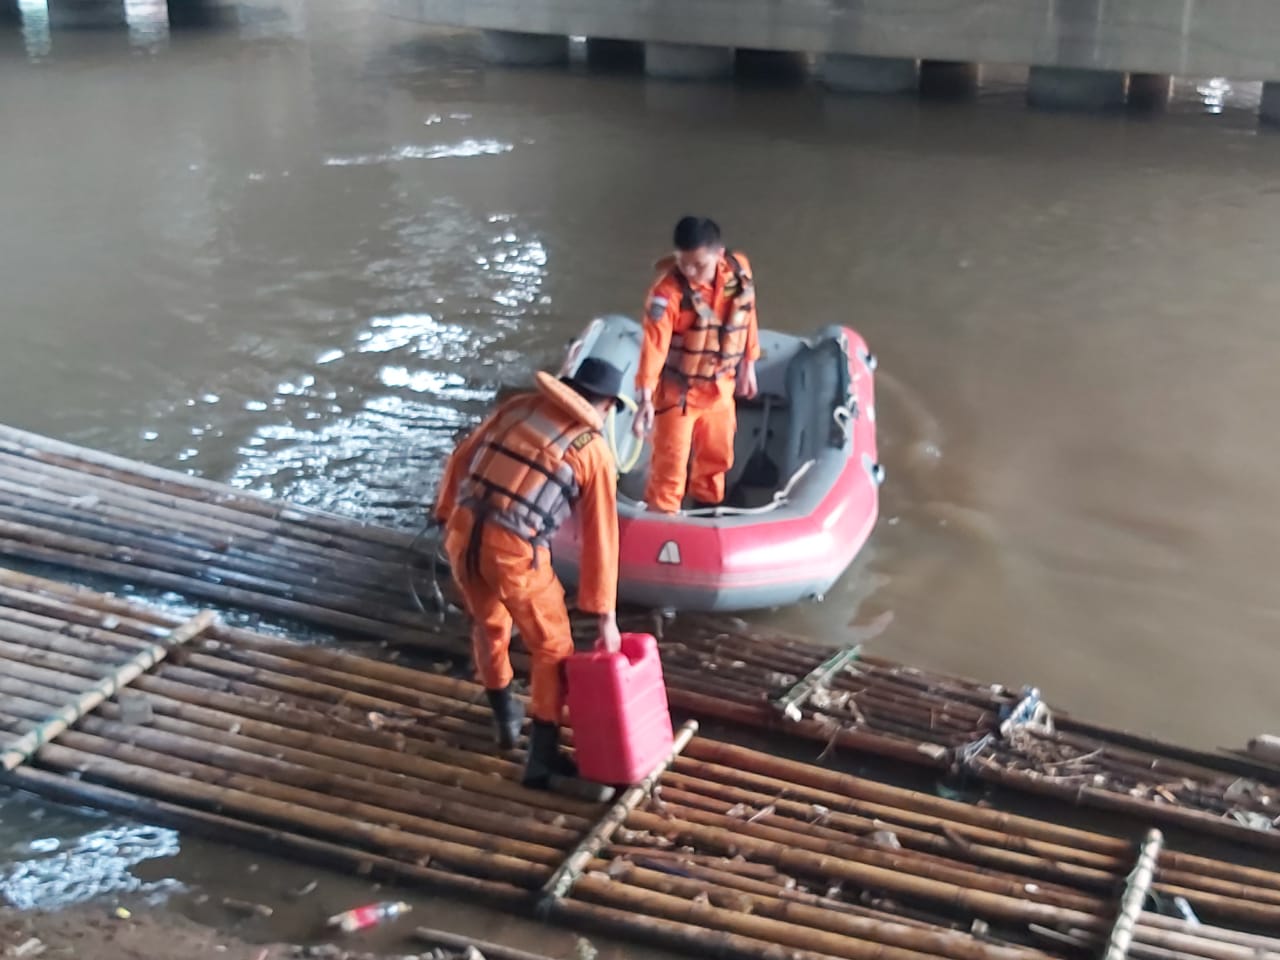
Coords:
411,397
467,148
48,859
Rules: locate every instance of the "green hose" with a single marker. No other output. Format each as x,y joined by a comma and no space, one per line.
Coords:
611,435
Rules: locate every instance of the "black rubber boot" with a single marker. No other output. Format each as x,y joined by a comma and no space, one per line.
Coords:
549,769
545,759
508,716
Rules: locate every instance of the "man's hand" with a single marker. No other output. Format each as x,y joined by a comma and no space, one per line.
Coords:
643,422
747,386
610,638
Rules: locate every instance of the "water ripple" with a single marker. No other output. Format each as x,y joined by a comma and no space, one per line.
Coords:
465,148
63,872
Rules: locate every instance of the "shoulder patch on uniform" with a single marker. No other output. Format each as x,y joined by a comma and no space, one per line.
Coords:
657,307
582,440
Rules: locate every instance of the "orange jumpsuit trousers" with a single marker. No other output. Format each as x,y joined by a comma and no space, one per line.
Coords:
692,440
508,586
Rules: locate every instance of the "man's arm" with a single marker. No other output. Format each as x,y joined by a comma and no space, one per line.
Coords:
456,468
661,308
597,514
747,370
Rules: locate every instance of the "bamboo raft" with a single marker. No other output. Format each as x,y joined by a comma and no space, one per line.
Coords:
108,517
729,852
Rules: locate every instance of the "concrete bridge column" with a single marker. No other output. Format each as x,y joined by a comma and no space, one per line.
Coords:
86,14
1269,111
606,54
949,79
847,73
1069,88
512,49
194,13
686,61
778,65
1150,91
9,13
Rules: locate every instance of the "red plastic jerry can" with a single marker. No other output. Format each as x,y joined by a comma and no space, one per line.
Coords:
618,708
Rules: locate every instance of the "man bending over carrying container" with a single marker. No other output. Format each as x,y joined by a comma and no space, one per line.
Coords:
507,488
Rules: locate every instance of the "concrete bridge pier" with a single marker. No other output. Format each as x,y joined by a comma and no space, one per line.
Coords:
606,54
949,79
849,73
687,61
1072,88
1150,91
512,49
781,66
1269,111
10,14
195,13
86,14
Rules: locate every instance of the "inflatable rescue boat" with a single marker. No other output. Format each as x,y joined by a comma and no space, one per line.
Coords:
801,499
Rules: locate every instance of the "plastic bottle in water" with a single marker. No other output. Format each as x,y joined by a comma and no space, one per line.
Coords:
361,918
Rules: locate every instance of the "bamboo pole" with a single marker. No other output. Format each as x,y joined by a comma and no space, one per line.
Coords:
67,494
851,828
221,828
756,873
234,596
21,750
1135,894
733,762
496,778
1046,862
91,491
489,950
788,849
562,881
601,889
52,668
283,689
160,764
225,562
761,717
767,823
1122,803
42,537
35,447
933,941
692,939
253,799
399,799
744,767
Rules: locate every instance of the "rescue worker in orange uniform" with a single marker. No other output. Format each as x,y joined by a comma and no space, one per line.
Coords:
507,488
700,348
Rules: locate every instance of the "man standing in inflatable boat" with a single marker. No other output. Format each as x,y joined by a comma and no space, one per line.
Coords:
701,344
507,488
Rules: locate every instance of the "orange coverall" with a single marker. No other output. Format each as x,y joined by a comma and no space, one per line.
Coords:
514,581
701,417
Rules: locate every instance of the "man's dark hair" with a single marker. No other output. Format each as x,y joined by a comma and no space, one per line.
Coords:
691,233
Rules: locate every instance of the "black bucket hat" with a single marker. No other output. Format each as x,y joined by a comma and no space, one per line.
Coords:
599,377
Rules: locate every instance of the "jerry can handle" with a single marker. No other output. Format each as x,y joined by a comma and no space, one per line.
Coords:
636,647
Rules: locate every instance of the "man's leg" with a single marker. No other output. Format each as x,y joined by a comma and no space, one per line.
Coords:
490,636
536,600
669,463
712,458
